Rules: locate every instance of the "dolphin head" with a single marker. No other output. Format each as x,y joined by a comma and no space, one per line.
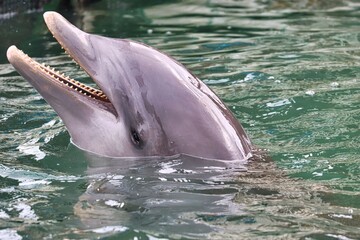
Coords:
148,104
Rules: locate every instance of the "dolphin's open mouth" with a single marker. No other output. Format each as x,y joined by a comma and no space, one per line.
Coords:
58,89
59,78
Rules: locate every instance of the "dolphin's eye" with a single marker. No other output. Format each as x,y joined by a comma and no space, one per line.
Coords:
135,137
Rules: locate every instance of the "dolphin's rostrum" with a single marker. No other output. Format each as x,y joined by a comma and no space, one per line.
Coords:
148,105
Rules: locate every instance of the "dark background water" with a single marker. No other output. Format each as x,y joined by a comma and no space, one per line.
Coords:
289,70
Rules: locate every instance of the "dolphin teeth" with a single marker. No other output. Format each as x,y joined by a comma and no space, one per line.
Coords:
81,88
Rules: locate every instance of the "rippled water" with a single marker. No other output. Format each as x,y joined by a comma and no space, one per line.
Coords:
290,72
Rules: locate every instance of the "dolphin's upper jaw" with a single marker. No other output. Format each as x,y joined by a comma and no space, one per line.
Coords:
76,45
49,76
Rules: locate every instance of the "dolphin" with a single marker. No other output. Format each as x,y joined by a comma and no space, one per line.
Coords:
146,105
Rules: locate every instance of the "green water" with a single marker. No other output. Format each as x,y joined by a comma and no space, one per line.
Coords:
290,72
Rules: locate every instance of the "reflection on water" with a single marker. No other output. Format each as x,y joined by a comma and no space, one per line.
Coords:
289,70
167,195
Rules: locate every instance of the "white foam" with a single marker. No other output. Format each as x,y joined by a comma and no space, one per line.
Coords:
278,103
342,216
25,211
4,215
9,234
109,229
31,183
30,148
310,92
340,237
114,203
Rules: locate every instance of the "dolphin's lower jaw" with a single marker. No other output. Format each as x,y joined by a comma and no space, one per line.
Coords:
147,105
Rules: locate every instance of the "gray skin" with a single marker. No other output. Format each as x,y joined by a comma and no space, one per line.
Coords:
153,106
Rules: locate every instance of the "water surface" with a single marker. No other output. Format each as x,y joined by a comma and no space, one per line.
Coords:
289,70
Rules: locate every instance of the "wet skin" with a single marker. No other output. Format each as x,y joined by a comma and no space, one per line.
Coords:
148,104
